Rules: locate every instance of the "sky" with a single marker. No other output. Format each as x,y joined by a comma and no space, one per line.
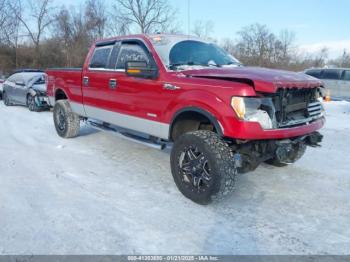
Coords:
316,23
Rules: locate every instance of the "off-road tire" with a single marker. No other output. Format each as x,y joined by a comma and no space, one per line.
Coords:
219,157
6,99
70,126
31,104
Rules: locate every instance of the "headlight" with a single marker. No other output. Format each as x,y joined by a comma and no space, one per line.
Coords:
238,105
254,109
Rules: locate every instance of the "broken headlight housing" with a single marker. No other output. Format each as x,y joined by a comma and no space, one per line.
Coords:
255,109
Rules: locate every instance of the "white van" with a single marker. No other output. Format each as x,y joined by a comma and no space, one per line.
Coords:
337,80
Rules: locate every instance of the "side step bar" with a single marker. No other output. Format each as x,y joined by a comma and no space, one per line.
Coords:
129,135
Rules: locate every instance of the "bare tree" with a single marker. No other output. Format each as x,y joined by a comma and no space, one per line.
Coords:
341,61
96,18
117,26
321,58
3,16
287,40
9,25
257,45
148,16
229,45
344,60
203,29
40,18
75,30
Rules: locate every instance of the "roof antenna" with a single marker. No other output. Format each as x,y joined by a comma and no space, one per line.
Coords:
188,18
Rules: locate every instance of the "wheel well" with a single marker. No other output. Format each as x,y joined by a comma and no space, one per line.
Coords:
60,95
193,120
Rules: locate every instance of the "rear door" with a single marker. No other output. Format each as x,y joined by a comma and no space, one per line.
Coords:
9,86
96,82
22,90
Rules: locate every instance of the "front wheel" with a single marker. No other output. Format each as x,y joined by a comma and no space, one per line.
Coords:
67,123
31,104
203,166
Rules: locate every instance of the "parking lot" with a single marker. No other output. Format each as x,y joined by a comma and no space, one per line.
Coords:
99,194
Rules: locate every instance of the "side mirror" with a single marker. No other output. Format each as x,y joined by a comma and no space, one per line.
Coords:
20,83
141,69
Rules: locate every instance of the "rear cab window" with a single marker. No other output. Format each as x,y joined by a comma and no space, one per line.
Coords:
100,57
115,56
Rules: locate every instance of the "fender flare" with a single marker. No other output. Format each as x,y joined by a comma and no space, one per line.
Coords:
61,90
210,116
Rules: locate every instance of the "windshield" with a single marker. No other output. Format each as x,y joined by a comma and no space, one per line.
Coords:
178,54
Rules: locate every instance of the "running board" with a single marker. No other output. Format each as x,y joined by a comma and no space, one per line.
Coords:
129,135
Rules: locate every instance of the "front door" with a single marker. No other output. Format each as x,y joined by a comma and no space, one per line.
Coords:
142,100
113,97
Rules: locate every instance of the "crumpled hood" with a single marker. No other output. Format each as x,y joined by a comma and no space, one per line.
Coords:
40,88
262,79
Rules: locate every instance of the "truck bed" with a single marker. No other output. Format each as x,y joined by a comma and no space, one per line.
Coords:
69,79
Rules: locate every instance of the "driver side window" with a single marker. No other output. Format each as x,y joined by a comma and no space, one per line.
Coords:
131,52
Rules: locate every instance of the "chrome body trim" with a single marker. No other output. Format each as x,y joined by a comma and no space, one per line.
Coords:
153,128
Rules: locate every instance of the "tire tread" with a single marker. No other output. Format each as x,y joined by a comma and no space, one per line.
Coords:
226,170
73,120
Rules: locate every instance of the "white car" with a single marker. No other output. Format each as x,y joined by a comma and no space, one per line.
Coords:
26,88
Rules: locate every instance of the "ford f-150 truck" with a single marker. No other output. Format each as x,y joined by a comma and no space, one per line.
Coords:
219,117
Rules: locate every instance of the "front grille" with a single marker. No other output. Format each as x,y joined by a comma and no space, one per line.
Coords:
315,109
294,107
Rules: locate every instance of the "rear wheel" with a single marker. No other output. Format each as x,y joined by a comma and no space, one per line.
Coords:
67,123
6,99
203,166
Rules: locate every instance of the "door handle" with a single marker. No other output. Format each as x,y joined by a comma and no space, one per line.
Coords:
113,84
171,87
85,81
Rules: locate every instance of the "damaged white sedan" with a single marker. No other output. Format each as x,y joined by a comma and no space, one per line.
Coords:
26,88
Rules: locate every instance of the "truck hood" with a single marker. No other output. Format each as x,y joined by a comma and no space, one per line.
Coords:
261,79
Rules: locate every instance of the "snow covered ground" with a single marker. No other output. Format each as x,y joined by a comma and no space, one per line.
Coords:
99,194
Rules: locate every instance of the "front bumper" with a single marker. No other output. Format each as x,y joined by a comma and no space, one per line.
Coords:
42,101
253,130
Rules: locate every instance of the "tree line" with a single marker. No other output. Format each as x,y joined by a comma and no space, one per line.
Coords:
38,34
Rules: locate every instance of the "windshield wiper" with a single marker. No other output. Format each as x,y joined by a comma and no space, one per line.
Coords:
176,65
233,63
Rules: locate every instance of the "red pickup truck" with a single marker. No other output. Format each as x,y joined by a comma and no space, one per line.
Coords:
219,117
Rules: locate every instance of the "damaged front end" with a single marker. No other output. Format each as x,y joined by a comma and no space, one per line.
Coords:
41,99
249,155
285,109
288,108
